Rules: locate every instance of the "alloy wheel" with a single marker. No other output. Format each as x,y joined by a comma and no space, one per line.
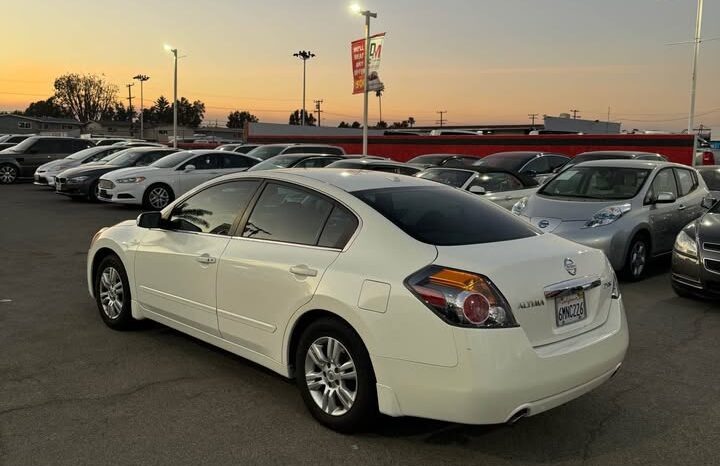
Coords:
638,258
112,293
158,197
330,376
8,174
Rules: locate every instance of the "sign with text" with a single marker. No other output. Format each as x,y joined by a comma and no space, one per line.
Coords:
357,49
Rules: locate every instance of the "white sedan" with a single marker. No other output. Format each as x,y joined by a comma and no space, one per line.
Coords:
158,184
376,292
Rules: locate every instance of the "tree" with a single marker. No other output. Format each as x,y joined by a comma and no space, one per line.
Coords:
343,125
296,118
160,112
381,125
190,114
47,108
400,124
356,124
411,121
237,119
85,96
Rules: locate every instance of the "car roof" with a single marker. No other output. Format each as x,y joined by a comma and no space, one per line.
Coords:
374,162
621,153
522,154
630,163
305,156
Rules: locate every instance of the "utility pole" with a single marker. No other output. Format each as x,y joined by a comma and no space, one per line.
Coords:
142,78
379,94
532,117
441,120
130,107
575,112
317,110
304,55
696,53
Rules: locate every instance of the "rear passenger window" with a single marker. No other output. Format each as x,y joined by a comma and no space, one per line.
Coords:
686,181
235,161
339,228
287,214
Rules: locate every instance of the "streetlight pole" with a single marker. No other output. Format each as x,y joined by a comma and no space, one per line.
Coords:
304,55
698,26
367,14
174,51
142,78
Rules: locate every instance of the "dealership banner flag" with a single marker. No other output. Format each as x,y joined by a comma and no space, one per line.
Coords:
357,48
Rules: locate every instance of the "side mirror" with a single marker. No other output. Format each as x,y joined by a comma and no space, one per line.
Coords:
708,202
189,168
149,220
477,189
665,198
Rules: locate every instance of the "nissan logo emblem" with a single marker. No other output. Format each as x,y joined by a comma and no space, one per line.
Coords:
570,266
543,223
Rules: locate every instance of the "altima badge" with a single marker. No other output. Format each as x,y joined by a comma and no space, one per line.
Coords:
570,266
531,303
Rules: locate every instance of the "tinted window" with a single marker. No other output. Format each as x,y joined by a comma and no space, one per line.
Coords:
203,162
287,214
712,178
235,161
46,146
664,182
280,161
505,160
316,162
244,149
172,160
339,227
79,144
152,157
556,161
460,162
539,165
597,183
454,178
313,150
429,159
265,152
213,210
497,182
686,181
445,217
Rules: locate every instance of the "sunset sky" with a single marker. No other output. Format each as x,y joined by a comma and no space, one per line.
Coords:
484,61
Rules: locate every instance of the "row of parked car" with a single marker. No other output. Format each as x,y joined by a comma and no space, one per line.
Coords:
631,205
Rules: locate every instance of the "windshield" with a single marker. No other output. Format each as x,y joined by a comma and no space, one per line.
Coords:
265,152
712,178
172,160
5,138
597,183
444,216
429,159
454,178
280,161
513,162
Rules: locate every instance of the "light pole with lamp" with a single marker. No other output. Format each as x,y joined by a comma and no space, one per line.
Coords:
303,55
367,14
142,78
175,101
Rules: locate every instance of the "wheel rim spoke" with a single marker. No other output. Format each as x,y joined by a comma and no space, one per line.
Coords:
316,353
330,376
111,293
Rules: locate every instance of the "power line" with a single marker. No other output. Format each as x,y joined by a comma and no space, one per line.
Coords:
532,117
575,113
441,120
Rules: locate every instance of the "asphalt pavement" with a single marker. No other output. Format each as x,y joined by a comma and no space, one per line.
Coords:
73,392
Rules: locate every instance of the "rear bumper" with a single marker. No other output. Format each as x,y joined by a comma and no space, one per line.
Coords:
499,374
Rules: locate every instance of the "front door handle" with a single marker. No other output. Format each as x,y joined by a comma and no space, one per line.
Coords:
303,270
206,259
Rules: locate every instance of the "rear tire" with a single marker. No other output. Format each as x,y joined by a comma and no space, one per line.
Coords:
112,294
8,173
157,197
335,376
636,260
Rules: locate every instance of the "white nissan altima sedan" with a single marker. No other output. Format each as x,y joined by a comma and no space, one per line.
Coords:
376,292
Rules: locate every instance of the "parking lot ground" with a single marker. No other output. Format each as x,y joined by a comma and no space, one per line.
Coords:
73,392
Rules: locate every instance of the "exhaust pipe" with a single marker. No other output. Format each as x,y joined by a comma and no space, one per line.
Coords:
517,416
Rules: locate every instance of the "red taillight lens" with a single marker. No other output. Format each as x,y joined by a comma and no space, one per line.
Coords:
461,298
708,158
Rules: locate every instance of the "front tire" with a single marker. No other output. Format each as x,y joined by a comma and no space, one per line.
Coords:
112,294
636,260
335,376
157,197
94,191
8,173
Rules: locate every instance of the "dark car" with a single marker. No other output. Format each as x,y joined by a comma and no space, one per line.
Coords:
612,155
696,256
296,161
267,151
711,175
10,140
82,182
443,160
373,164
22,160
539,165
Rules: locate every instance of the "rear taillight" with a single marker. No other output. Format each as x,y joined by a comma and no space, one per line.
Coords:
708,158
460,298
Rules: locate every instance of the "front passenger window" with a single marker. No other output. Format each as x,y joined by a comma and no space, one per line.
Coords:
213,210
664,182
686,181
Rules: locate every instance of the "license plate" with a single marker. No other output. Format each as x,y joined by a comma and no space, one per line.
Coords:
570,308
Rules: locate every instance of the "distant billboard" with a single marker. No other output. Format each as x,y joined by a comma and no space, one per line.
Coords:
357,49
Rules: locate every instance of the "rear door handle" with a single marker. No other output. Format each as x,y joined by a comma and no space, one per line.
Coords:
303,270
682,207
206,259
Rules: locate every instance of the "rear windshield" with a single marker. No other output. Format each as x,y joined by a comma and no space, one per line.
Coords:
454,178
429,159
512,162
712,178
444,216
597,183
280,161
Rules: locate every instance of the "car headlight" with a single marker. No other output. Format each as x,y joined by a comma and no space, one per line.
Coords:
77,179
607,215
686,245
519,206
132,179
